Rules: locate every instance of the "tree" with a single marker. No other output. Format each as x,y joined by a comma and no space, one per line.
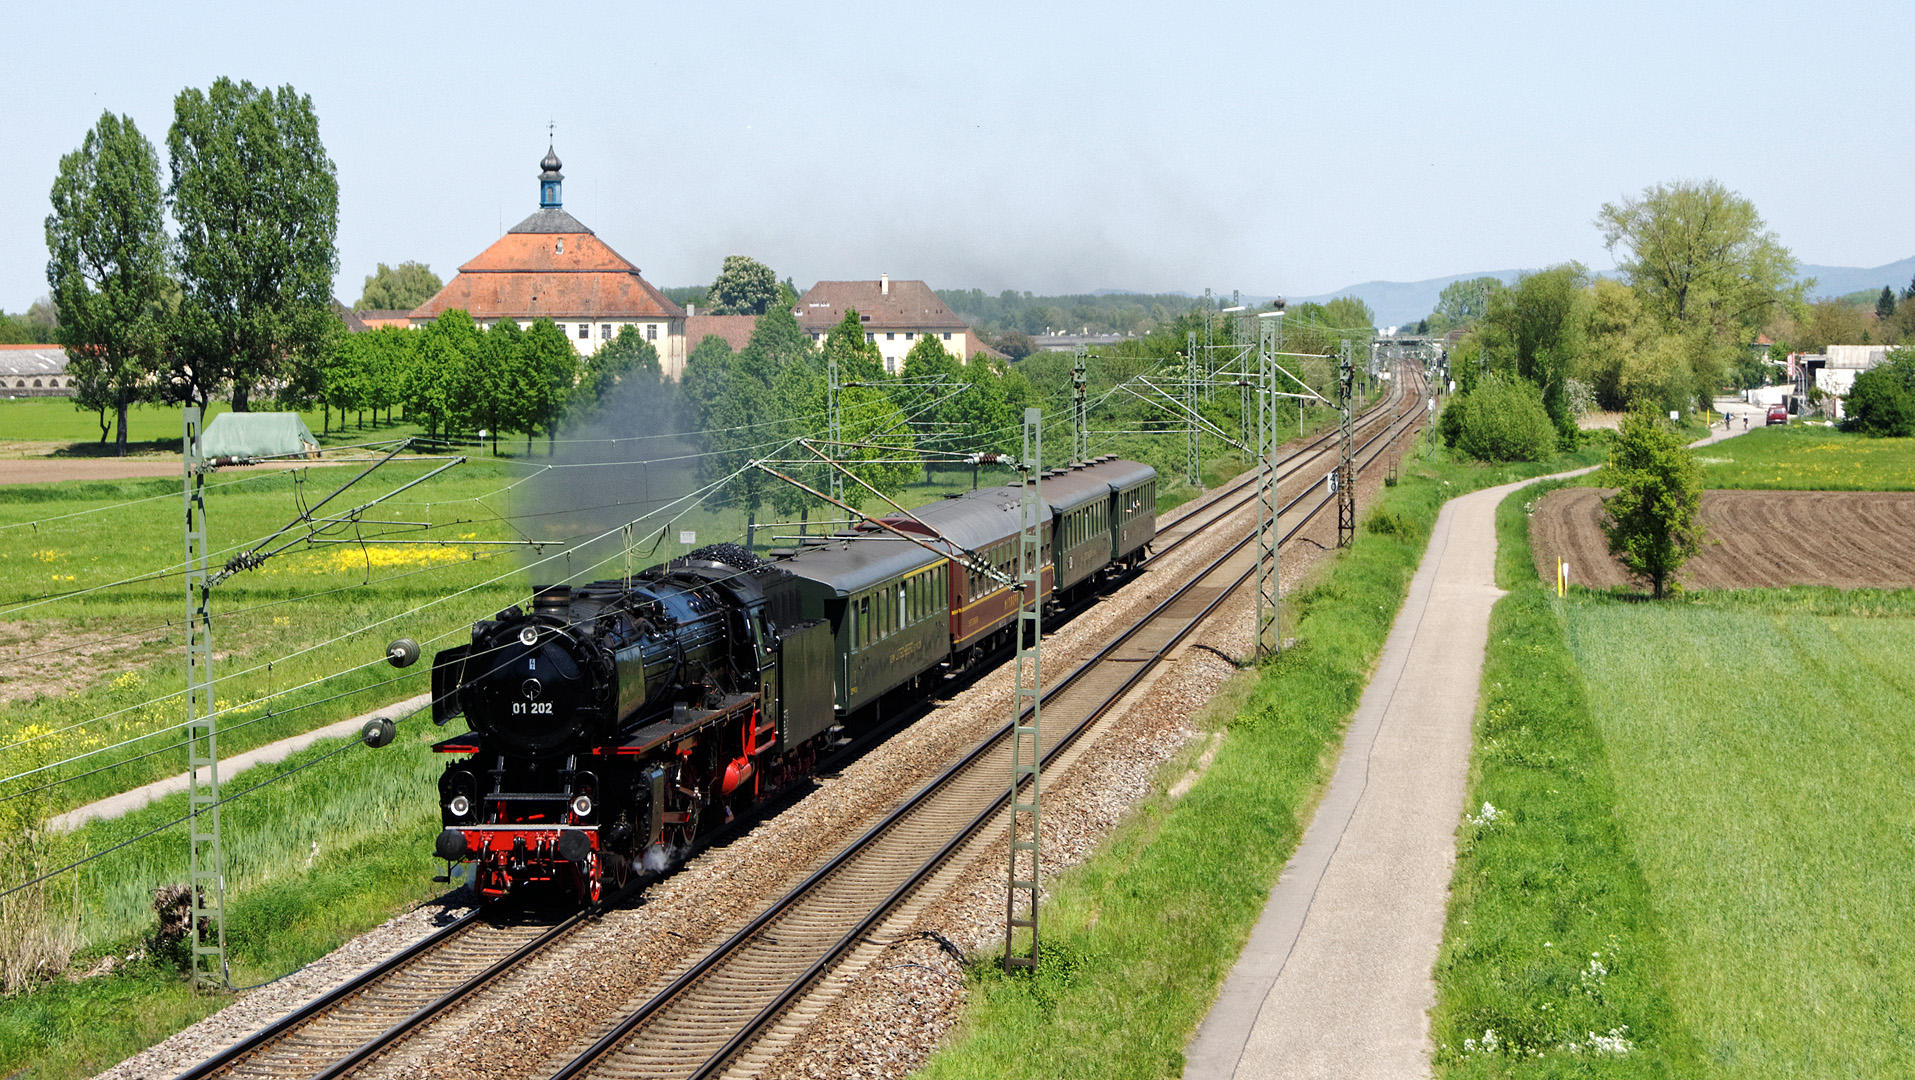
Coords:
744,286
1503,420
1463,304
1015,344
440,388
44,317
1882,402
858,360
398,288
1349,313
107,266
257,204
548,370
1703,263
623,376
1885,303
1652,520
1538,331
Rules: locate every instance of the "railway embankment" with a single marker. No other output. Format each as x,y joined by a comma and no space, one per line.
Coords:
1140,936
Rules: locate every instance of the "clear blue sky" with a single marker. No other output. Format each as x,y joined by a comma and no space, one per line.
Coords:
1277,147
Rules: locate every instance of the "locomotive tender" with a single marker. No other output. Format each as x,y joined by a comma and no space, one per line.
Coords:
614,724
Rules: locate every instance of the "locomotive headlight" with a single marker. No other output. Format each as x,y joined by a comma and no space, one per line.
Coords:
582,806
460,806
529,636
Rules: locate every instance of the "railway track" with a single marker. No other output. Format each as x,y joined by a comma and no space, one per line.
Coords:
719,1007
786,947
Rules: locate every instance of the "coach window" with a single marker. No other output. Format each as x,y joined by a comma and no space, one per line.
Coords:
904,613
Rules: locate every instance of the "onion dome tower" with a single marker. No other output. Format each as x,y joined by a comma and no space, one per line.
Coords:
551,180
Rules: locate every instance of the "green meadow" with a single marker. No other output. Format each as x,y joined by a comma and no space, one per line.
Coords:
1803,458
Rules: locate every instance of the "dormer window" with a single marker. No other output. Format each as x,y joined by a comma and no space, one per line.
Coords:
560,246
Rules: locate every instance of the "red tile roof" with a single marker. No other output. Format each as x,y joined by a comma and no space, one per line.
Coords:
561,275
909,305
735,329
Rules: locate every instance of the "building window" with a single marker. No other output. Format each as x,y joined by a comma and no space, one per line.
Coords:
651,331
908,335
584,330
605,331
890,337
815,335
870,337
561,327
891,364
560,247
947,335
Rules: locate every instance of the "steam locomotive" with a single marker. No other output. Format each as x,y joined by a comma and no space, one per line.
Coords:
613,725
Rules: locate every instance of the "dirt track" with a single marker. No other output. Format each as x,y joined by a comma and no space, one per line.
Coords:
1756,539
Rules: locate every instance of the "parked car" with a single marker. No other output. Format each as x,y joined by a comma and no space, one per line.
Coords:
1778,415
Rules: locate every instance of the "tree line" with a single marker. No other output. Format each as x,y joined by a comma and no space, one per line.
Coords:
1700,278
235,299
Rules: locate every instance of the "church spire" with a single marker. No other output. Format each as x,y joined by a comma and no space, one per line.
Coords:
550,181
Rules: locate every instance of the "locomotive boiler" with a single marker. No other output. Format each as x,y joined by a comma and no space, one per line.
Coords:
612,723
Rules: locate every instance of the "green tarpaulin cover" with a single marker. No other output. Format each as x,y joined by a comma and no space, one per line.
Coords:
256,435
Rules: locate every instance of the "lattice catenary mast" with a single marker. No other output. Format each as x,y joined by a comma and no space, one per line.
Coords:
206,860
1027,749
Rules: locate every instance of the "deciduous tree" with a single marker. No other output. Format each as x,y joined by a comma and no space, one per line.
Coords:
1703,262
1882,402
858,360
1652,520
107,266
744,286
257,204
398,288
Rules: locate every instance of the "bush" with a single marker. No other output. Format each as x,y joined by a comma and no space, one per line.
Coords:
1503,420
1450,424
1883,400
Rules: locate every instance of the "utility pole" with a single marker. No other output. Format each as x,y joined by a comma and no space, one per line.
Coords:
1193,459
1080,409
1027,749
206,862
1269,339
836,425
1346,466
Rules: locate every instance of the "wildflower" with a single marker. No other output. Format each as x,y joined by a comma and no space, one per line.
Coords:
1489,814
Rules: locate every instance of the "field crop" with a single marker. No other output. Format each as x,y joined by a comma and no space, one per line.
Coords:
1801,458
1764,769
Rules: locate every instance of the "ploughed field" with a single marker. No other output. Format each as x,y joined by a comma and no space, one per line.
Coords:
1756,539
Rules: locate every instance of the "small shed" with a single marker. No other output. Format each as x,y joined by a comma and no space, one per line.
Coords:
254,435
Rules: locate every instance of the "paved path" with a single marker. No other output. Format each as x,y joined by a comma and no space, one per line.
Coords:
229,767
1336,979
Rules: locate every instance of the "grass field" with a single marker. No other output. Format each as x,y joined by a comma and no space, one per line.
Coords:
1764,772
1551,963
1139,937
1801,458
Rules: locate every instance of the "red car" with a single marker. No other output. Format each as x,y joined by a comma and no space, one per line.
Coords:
1778,415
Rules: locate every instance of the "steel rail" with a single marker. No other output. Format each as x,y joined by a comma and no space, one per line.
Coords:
975,758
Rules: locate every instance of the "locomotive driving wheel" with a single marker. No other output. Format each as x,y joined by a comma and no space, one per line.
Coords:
591,872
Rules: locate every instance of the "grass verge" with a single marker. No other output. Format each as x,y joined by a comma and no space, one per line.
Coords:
1138,938
1551,962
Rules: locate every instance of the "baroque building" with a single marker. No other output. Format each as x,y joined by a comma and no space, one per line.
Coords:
550,266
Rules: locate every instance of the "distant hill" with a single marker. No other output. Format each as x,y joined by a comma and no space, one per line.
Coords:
1397,303
1400,302
1833,281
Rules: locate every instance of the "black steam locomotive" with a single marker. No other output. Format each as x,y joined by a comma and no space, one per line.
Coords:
614,724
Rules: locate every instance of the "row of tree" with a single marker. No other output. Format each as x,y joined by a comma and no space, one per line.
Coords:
458,378
1701,276
238,294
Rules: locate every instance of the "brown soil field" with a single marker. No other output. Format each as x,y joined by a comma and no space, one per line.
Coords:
1755,540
